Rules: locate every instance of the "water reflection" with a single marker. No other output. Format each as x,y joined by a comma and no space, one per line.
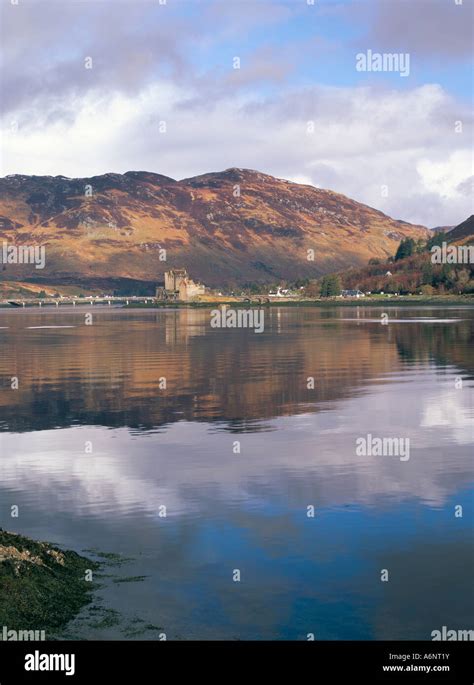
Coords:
111,373
100,385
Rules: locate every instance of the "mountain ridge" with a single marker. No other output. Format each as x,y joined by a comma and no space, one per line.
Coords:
229,227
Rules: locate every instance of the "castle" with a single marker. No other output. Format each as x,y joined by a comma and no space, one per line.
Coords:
179,286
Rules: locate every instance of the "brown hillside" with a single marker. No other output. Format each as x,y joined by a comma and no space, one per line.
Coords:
232,227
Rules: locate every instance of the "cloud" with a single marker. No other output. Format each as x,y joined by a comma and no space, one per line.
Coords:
131,44
427,28
434,32
173,64
45,45
466,187
362,139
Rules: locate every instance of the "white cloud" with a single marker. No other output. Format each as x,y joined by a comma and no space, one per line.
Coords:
444,177
363,139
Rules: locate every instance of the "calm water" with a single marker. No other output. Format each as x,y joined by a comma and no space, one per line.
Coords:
175,447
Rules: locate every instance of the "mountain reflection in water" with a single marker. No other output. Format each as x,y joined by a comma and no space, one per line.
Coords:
247,509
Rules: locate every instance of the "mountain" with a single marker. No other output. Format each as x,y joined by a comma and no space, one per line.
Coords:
226,228
441,229
463,233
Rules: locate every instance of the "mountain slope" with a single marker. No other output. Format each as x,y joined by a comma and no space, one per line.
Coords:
418,271
463,233
231,227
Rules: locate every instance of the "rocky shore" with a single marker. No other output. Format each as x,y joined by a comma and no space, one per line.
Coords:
41,586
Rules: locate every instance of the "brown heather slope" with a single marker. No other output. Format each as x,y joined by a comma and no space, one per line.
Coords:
222,238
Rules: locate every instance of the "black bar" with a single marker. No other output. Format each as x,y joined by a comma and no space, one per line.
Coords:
151,661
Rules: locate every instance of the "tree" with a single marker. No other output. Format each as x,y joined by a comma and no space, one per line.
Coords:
427,290
447,275
330,286
462,279
427,274
312,289
437,240
405,249
393,286
420,245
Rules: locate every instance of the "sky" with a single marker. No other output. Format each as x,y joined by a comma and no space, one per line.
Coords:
290,88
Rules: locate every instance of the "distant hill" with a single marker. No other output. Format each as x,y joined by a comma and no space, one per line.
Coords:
417,271
231,227
441,229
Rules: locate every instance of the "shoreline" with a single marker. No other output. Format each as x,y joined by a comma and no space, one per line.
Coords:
443,300
336,302
43,586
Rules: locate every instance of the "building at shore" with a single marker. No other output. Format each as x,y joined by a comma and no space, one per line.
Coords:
179,286
352,293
